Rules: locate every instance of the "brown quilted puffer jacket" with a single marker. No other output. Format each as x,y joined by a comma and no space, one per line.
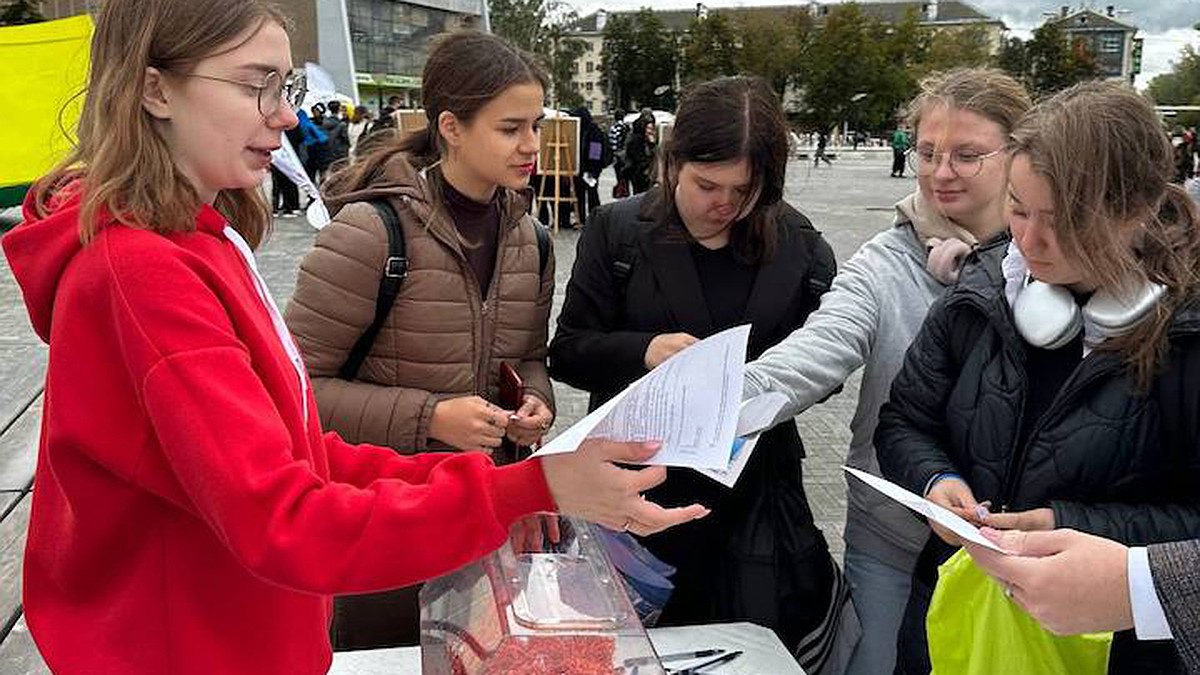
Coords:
440,340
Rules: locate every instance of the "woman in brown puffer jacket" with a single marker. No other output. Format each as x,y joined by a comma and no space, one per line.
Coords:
477,293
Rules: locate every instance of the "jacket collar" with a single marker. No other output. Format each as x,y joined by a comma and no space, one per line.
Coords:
667,249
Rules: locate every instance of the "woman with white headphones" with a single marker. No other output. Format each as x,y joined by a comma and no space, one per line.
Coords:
1058,385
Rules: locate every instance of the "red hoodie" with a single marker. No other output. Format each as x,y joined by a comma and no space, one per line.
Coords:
189,514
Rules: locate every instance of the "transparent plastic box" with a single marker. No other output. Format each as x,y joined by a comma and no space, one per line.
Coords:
536,608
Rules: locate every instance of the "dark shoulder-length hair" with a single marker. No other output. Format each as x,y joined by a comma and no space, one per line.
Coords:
724,120
465,71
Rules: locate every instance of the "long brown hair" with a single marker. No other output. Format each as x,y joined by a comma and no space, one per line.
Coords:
125,165
1109,164
724,120
464,72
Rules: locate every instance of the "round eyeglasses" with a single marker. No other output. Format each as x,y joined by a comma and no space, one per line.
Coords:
963,163
273,90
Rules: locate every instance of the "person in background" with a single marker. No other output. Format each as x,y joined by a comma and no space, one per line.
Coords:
285,195
900,146
316,142
874,310
191,516
714,247
336,129
359,123
1057,385
641,151
819,155
594,155
474,295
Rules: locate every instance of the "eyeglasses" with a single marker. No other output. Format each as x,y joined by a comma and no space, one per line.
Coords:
963,163
273,90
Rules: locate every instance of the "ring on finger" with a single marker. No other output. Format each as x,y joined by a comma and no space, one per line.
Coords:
1008,592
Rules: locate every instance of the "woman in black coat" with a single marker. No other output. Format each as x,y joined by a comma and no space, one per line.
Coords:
714,247
1059,383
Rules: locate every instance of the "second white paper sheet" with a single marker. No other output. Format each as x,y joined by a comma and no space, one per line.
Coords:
689,402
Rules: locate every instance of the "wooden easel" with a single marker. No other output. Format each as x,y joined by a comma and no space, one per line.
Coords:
560,155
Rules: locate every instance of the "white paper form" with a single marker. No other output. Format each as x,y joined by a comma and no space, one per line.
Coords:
754,417
944,517
689,402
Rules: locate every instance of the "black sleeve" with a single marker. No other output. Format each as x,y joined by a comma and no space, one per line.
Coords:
590,349
911,435
1174,513
823,270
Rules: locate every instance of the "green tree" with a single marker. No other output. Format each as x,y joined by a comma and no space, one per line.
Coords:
1180,86
709,49
901,48
20,12
770,47
521,22
1054,62
541,27
832,63
1013,58
639,58
856,69
945,49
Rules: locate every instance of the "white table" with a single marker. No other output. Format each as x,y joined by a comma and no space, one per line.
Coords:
762,652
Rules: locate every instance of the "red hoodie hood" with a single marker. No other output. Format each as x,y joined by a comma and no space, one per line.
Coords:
41,247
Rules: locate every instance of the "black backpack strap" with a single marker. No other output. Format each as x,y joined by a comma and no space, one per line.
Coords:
623,225
395,268
821,271
543,240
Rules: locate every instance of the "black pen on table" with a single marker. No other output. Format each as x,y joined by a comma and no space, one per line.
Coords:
685,656
694,670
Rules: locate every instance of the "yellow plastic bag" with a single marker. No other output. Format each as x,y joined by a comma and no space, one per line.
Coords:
974,629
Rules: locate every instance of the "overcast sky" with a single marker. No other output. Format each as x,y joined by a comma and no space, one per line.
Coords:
1166,25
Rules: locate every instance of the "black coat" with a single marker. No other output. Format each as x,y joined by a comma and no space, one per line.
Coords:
1107,459
726,561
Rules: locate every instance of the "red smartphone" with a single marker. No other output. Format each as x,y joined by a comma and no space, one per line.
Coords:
512,397
512,389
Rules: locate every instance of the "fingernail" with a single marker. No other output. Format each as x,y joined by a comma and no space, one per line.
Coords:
652,445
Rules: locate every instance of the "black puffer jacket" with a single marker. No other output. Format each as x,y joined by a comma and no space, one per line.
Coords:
1107,459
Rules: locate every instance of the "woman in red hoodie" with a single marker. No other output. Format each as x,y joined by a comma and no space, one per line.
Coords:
190,516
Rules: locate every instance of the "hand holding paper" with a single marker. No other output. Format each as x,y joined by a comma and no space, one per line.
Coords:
933,512
689,403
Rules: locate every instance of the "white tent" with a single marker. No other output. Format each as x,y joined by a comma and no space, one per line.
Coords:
661,117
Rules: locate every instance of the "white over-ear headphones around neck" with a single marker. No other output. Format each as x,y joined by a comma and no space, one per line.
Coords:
1047,316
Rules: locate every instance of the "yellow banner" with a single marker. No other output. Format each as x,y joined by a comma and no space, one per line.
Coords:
43,71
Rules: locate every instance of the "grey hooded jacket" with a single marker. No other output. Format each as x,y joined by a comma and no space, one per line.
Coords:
867,320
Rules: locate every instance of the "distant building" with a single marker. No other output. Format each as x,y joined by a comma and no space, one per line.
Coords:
388,39
1113,43
934,14
378,45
